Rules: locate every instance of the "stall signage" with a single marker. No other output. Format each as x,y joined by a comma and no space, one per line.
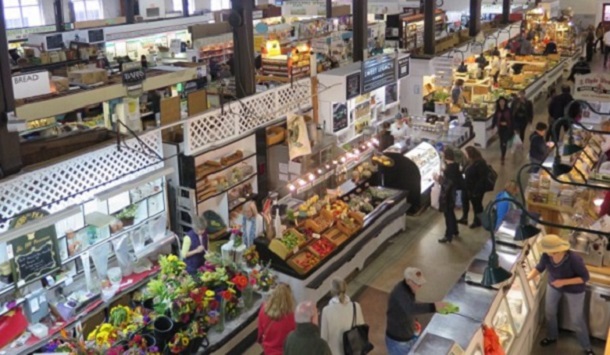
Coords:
31,84
352,85
34,254
403,67
592,87
133,76
378,72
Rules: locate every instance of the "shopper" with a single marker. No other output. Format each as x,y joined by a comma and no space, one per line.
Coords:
539,149
450,181
457,93
557,108
510,191
606,41
504,121
251,223
590,45
599,35
551,47
338,316
402,327
305,339
399,130
525,47
194,245
276,320
475,176
523,114
567,278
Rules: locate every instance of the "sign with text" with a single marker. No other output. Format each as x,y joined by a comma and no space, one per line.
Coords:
378,72
403,67
133,76
592,87
31,84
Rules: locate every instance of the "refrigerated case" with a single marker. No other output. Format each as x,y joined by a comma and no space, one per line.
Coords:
599,311
414,172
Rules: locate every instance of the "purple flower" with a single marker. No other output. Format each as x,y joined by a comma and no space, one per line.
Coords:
11,304
153,349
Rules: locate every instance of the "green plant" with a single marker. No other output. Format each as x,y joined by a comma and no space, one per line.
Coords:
128,212
440,96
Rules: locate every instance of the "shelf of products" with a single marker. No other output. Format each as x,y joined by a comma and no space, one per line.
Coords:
413,29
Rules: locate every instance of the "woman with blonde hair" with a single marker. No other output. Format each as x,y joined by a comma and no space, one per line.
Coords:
338,316
276,320
251,223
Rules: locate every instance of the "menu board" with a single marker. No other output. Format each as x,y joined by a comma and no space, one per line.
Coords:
33,255
378,72
352,84
339,116
403,67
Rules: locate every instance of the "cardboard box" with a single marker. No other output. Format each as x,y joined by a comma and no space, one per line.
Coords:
88,76
60,83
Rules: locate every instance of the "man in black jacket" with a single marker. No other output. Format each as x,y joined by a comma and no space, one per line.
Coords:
557,108
538,146
522,111
402,327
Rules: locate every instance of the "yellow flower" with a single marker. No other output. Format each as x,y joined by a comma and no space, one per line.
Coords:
185,341
209,293
172,258
106,327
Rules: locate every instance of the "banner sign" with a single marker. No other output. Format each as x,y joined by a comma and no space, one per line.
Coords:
378,72
592,87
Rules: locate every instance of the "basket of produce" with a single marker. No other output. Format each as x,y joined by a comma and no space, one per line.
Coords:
319,223
336,208
335,236
383,161
303,261
321,247
275,135
290,240
216,226
350,223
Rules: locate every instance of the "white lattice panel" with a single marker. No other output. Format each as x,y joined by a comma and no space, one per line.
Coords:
243,117
78,179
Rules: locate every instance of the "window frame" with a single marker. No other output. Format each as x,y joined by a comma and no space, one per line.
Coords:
20,7
177,6
100,4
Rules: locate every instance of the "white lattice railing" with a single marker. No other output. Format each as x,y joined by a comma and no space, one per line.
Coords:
78,179
239,118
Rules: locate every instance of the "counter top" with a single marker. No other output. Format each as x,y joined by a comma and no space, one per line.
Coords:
453,327
474,302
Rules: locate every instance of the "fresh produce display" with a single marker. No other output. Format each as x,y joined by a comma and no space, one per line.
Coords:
303,261
319,223
291,239
322,247
285,245
335,236
336,208
383,160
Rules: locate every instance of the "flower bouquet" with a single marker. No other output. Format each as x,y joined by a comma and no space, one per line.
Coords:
103,336
171,265
179,343
251,257
263,280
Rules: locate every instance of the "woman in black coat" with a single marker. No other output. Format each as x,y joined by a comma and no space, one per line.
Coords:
503,119
475,176
450,181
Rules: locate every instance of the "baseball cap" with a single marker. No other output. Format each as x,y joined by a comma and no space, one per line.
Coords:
414,275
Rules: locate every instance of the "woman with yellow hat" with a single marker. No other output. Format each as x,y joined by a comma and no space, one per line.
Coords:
568,276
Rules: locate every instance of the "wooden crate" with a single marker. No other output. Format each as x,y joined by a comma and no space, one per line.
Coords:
293,262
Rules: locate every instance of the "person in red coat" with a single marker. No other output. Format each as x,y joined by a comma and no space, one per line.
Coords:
276,320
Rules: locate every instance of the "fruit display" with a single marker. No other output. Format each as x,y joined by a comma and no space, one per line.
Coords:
336,208
335,236
303,261
383,160
322,247
292,239
349,223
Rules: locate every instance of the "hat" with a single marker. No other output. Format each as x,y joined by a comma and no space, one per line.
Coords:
415,275
553,244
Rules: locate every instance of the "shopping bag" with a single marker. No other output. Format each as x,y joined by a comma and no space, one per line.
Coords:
435,194
515,143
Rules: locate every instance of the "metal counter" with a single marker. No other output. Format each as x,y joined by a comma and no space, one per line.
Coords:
452,327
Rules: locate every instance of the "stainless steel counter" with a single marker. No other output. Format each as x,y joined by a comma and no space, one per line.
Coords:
452,327
474,301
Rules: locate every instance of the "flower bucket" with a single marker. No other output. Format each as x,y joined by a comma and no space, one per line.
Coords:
196,344
163,330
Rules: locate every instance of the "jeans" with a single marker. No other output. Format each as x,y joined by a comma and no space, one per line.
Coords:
398,347
576,307
450,223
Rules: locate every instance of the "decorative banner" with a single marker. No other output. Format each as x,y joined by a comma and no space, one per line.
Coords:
339,117
377,72
592,87
298,139
352,85
35,254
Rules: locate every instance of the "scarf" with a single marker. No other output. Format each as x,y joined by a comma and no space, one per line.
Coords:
250,234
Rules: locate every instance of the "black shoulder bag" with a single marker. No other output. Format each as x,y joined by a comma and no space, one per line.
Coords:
356,340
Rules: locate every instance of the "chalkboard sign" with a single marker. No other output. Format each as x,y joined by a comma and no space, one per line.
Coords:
352,84
340,121
96,36
33,255
403,67
378,72
55,42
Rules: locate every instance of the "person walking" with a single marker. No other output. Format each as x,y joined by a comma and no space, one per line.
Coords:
504,121
402,328
590,44
522,111
606,41
305,339
338,316
539,148
276,320
502,208
450,181
194,245
599,37
567,278
557,108
475,175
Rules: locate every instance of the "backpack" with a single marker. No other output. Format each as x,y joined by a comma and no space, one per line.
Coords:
490,179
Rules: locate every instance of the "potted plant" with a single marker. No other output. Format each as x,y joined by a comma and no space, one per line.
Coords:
128,215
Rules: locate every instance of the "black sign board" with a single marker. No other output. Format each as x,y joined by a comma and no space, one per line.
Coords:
403,67
34,254
378,72
352,84
340,120
133,76
96,36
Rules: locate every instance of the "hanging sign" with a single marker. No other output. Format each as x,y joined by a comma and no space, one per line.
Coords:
403,67
592,87
35,254
378,72
31,84
352,84
133,76
298,138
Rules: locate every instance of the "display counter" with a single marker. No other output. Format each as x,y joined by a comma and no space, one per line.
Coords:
385,221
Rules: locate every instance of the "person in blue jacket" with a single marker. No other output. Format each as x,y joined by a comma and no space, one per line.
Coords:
510,190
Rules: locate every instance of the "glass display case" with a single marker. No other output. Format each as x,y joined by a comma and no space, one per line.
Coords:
518,303
504,325
528,265
428,161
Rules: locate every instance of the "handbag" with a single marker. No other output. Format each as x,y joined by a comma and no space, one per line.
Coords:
356,340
